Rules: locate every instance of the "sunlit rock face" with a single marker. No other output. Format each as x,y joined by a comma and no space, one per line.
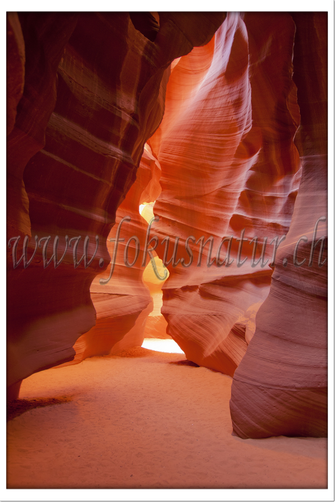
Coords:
93,92
121,300
230,169
244,100
280,386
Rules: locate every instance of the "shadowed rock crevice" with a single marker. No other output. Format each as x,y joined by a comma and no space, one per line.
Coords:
146,23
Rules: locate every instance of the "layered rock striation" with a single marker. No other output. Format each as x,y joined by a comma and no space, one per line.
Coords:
230,171
223,120
121,300
280,387
92,92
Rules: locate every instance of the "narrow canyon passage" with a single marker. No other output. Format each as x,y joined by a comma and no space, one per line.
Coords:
167,182
147,419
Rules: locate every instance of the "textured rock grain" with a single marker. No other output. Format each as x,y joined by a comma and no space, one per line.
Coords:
94,90
280,386
229,165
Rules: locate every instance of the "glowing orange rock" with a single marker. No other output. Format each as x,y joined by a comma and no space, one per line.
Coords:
121,300
280,387
94,90
230,170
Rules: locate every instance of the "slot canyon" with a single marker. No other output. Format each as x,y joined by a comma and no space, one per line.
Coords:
167,183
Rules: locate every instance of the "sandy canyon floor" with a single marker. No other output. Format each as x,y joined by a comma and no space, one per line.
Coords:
145,419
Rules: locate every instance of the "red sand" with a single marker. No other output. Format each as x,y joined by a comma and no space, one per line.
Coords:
145,421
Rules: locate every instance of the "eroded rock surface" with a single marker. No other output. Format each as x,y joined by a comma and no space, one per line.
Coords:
230,170
120,298
280,387
93,94
244,129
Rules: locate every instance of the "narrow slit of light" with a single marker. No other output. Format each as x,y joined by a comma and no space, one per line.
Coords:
162,345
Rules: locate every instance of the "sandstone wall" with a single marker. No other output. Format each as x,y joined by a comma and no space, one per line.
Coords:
230,169
93,93
280,387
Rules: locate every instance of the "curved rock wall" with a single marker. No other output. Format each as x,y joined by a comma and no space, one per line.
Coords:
230,169
121,301
94,90
245,118
280,387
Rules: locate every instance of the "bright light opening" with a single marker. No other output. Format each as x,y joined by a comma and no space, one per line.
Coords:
162,345
146,210
154,275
